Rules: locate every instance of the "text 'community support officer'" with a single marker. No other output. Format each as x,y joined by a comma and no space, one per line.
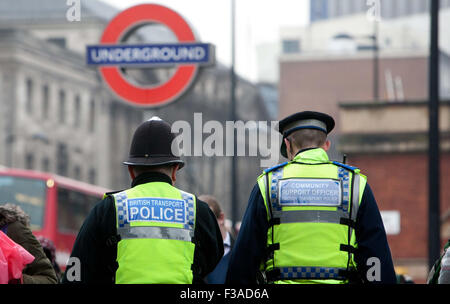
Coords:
152,232
310,220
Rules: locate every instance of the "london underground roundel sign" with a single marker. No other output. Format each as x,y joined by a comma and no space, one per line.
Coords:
111,55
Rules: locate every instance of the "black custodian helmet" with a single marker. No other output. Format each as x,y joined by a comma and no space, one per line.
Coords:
152,145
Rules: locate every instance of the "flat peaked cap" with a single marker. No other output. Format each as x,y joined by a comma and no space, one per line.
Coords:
307,120
304,120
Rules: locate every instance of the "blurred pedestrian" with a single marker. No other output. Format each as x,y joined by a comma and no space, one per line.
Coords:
13,259
50,251
311,220
402,276
440,272
152,232
218,275
404,279
14,222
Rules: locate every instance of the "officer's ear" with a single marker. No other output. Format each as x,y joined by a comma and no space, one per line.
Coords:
131,171
326,146
174,172
287,142
221,219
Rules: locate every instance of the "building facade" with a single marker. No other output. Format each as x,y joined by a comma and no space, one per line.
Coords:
58,113
389,142
336,59
55,116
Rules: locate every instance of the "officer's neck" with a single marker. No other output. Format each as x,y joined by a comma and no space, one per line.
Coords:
151,176
302,150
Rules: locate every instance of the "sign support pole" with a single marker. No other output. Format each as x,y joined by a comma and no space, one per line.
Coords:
234,198
434,227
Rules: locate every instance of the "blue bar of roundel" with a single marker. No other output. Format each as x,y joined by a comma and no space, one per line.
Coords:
149,54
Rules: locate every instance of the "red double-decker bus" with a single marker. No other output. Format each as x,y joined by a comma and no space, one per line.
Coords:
57,205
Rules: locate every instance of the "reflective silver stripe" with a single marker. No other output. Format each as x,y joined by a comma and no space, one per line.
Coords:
310,216
355,200
355,195
154,232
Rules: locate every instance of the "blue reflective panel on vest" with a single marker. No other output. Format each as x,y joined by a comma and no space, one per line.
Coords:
156,210
310,192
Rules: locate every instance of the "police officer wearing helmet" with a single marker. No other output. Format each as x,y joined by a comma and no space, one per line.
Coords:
311,220
152,232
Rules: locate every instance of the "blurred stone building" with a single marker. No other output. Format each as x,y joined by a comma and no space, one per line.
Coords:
57,115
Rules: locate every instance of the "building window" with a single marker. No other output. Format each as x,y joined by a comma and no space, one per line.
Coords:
62,158
210,88
92,176
291,46
45,164
394,12
92,116
446,4
29,101
77,173
407,8
77,114
45,101
62,106
29,161
339,8
318,10
61,42
359,6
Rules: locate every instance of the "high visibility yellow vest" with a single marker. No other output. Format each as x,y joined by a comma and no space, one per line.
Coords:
156,223
311,205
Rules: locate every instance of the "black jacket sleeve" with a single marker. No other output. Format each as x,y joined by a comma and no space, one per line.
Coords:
250,245
97,259
372,243
208,243
40,271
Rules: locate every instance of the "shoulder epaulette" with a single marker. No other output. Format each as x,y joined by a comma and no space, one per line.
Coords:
348,167
111,193
275,167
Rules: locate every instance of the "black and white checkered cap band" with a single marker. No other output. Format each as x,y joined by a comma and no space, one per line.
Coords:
305,124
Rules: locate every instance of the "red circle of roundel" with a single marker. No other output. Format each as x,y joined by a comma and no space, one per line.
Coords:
165,92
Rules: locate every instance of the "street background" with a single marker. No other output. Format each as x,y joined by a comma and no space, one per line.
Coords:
366,63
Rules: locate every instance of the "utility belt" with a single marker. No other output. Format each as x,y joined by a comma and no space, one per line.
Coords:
351,276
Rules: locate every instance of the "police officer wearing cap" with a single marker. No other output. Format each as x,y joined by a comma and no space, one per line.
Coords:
311,220
152,232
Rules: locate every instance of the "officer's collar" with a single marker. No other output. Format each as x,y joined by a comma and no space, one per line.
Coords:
149,177
315,154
